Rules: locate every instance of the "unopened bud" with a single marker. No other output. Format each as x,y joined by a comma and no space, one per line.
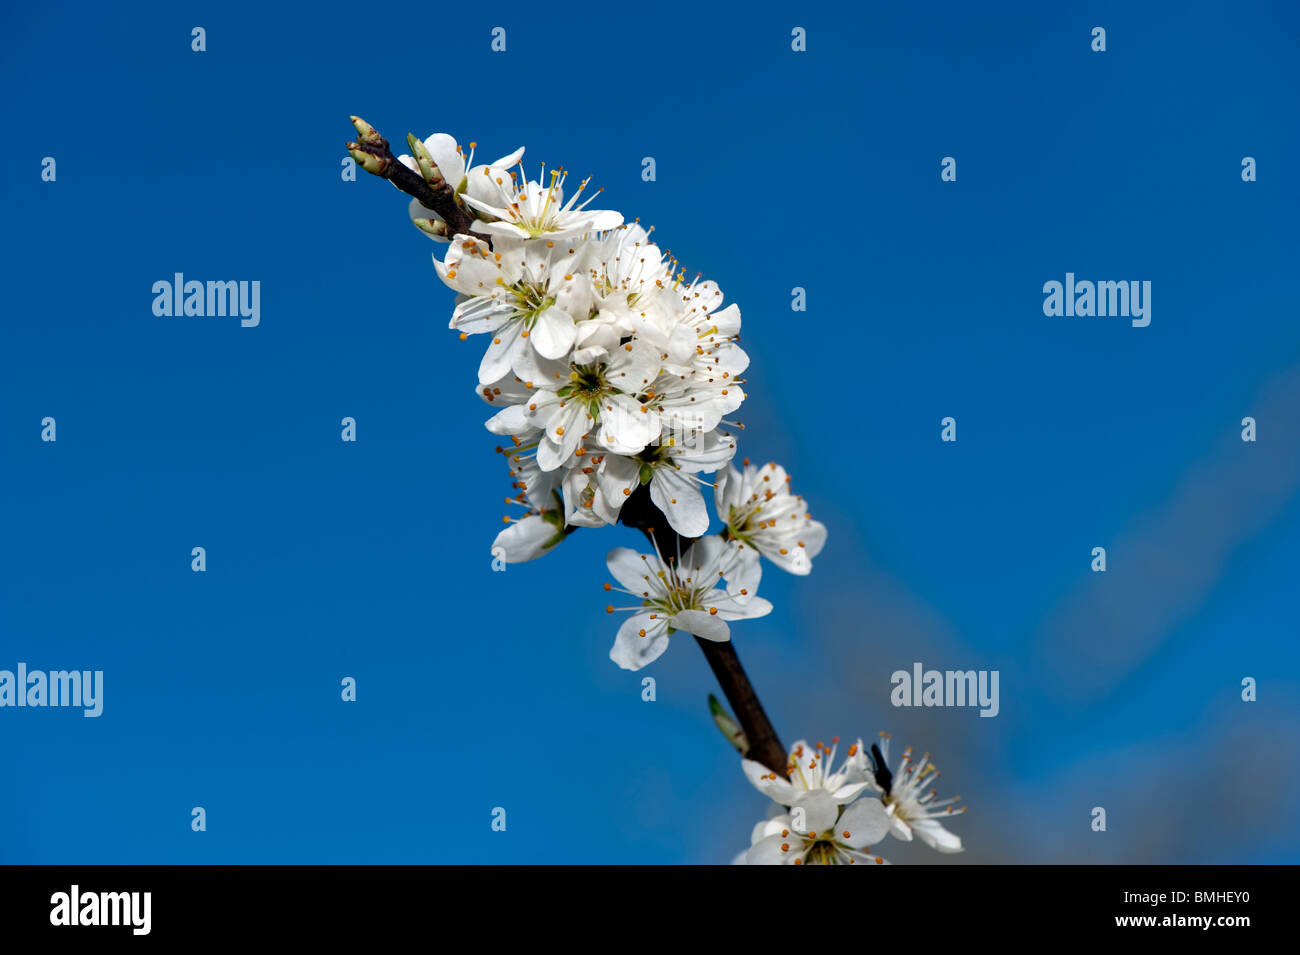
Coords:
367,133
428,169
735,735
375,165
434,227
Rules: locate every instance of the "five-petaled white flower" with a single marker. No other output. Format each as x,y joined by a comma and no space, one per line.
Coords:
681,594
525,294
760,512
910,800
829,821
534,210
605,399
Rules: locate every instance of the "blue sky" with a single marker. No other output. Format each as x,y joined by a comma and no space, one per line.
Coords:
775,169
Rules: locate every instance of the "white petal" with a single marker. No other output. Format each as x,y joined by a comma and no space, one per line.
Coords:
933,834
776,850
631,650
512,420
626,425
900,829
769,827
846,793
631,569
553,333
739,608
702,624
680,500
743,570
524,540
603,220
814,812
442,150
866,823
768,783
496,360
727,491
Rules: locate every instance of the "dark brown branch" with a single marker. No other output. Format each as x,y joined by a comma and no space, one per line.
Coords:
764,745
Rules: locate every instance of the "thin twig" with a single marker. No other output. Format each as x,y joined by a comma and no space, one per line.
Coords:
371,150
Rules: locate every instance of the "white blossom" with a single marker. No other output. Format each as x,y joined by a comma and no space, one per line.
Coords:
760,512
605,399
911,801
828,821
534,209
681,594
524,294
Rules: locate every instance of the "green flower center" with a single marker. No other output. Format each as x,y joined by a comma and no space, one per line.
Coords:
531,299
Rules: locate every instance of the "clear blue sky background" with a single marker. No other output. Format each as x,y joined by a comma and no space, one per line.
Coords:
775,169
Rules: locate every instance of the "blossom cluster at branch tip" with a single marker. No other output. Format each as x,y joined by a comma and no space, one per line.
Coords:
828,816
608,371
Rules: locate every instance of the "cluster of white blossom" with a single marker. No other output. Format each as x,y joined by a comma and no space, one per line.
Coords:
608,371
832,817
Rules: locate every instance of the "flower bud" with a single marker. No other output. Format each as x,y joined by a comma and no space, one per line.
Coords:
434,227
375,165
367,133
428,169
735,735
